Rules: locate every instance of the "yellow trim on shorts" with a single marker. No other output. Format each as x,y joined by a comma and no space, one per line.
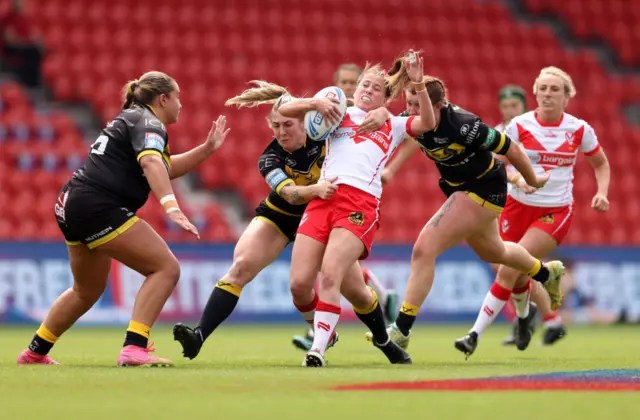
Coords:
72,243
484,203
272,223
149,152
119,231
276,209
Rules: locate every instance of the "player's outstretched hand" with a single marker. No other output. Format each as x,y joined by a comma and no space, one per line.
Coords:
181,220
217,134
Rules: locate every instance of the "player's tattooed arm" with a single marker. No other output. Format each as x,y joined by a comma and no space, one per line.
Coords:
298,194
292,195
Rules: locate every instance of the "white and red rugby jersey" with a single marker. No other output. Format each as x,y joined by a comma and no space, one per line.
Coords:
358,159
553,148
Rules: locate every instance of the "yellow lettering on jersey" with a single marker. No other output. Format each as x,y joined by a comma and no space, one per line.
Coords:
309,177
444,153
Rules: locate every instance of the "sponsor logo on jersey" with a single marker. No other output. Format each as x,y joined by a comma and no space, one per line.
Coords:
440,140
554,159
444,153
474,131
491,136
275,178
381,137
464,130
357,218
313,151
153,141
154,123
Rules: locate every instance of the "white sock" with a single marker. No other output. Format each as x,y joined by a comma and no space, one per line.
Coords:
326,319
308,312
373,282
552,321
520,298
491,307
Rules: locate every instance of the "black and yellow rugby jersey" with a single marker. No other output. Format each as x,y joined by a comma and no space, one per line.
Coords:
280,168
112,165
462,146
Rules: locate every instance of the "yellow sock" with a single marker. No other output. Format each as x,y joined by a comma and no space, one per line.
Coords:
44,333
409,309
536,268
139,328
234,289
371,308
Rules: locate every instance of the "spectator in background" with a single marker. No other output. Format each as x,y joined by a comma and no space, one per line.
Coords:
21,44
578,308
346,78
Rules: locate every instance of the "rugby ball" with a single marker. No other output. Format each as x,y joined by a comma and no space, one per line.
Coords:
314,123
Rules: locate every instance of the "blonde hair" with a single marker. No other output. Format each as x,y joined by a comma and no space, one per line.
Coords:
145,89
263,93
569,87
376,70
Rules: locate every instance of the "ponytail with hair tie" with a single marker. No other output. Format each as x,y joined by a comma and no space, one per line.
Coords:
133,86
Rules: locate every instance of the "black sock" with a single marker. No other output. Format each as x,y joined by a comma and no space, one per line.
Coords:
405,322
135,339
406,317
220,305
375,321
540,273
40,346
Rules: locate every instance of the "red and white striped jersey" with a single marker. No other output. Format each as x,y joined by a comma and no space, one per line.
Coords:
553,148
358,159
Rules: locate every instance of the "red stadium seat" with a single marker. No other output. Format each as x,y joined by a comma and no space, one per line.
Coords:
213,50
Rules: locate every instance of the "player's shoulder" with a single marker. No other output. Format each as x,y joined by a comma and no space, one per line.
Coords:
141,116
526,118
460,116
273,148
572,122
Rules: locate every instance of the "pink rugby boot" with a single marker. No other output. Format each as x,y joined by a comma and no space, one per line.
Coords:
138,356
28,357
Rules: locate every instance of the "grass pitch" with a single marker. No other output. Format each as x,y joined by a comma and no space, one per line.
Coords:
253,372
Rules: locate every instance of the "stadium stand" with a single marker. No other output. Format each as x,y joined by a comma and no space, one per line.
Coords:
213,49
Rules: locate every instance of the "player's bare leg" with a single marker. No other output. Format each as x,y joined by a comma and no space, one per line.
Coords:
260,244
143,250
512,278
341,255
90,271
388,300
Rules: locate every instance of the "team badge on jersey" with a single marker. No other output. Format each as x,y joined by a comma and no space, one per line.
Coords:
153,141
357,218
